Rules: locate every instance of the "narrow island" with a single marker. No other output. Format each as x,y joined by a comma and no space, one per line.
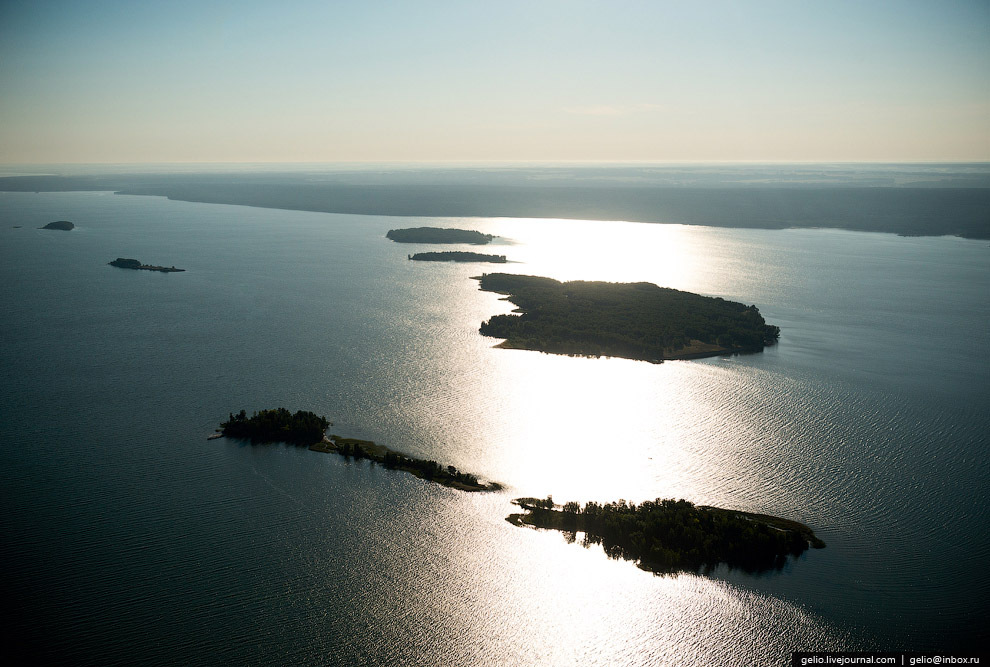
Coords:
308,429
455,256
393,460
63,225
666,536
125,263
629,320
438,235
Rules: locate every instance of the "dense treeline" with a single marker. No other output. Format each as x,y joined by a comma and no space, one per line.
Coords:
278,425
630,320
426,469
455,256
671,535
438,235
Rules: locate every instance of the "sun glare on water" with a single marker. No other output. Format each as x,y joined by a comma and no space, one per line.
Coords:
594,250
594,429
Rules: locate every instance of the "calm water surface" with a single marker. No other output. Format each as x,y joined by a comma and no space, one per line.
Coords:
129,537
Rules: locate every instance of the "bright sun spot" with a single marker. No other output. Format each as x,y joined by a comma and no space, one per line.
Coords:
578,250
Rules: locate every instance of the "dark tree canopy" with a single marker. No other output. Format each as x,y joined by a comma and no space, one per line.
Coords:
454,256
278,425
438,235
671,535
630,320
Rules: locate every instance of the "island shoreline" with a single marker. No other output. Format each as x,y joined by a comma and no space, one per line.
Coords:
638,321
135,265
395,460
771,539
304,427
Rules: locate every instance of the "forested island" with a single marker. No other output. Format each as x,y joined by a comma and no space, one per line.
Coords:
124,263
438,235
63,225
455,256
309,429
661,536
628,320
276,425
665,536
393,460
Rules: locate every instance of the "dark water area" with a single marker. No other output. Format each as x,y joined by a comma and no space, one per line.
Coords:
129,537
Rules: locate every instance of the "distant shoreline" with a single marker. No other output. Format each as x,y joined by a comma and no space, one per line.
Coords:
937,208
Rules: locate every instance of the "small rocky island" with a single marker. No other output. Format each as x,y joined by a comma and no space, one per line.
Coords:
308,429
666,536
628,320
438,235
124,263
455,256
63,225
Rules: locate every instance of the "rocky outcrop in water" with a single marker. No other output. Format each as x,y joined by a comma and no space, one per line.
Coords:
63,225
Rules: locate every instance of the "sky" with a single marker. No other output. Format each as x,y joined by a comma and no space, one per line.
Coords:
108,81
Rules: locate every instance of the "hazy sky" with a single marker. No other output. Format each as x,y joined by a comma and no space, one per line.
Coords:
177,81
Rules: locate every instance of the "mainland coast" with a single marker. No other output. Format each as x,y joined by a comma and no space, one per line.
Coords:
941,203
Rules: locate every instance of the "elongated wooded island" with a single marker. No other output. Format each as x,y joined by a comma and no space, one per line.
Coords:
309,429
629,320
661,536
454,256
125,263
665,536
438,235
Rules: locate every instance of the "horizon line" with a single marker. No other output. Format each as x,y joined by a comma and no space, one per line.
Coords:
452,163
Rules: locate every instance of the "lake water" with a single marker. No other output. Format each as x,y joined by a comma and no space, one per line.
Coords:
129,538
